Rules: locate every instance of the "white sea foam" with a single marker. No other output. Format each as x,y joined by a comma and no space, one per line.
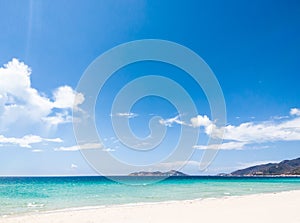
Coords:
35,205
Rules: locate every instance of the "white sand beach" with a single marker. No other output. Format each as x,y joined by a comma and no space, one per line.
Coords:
266,208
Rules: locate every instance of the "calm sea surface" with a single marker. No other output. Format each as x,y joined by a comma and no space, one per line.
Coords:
35,194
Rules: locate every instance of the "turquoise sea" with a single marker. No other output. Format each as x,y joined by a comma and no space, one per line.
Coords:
35,194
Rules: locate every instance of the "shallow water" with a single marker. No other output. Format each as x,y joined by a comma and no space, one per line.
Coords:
35,194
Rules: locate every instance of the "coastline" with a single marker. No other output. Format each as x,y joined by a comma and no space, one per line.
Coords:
267,207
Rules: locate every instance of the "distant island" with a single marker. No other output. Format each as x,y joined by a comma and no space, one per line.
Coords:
158,174
284,168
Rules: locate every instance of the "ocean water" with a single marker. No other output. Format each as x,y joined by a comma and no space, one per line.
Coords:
36,194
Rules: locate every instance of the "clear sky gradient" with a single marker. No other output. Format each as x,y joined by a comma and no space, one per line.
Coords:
45,46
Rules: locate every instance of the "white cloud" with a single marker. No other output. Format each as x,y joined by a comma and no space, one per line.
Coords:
223,146
74,166
280,117
80,147
252,133
66,97
84,146
27,140
200,120
58,118
169,122
126,114
204,121
285,128
108,150
23,105
19,99
295,111
269,131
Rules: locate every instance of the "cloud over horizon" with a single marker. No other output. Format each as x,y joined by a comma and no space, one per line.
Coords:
80,147
240,136
244,134
26,140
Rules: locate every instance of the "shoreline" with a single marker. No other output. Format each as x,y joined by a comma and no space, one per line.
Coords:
91,207
265,207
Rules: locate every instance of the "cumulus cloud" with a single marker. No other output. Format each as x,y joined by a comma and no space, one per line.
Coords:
204,121
269,131
66,97
295,111
285,128
252,133
20,103
200,120
26,141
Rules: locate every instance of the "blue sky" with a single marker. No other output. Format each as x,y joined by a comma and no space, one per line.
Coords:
45,47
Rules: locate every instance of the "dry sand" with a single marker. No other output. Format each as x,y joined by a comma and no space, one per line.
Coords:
261,208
